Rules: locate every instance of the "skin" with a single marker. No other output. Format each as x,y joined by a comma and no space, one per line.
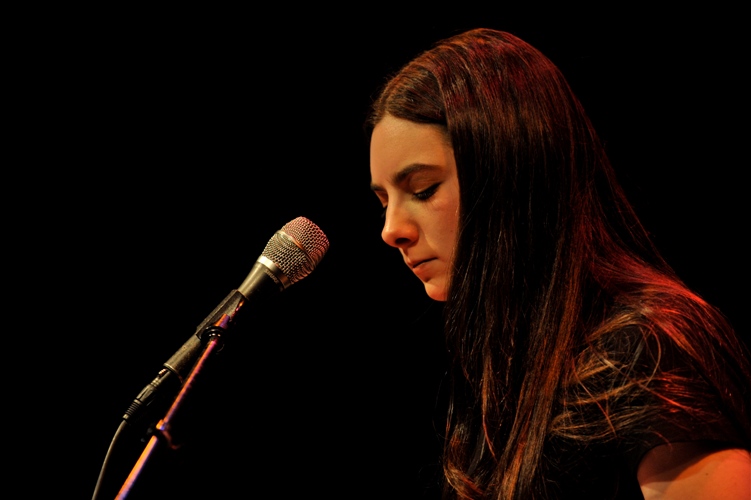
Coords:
688,471
413,174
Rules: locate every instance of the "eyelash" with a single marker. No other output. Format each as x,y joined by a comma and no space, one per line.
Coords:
423,195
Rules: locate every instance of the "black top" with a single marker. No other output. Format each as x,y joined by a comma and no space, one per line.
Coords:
576,466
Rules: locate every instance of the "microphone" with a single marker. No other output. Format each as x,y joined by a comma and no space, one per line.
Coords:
292,253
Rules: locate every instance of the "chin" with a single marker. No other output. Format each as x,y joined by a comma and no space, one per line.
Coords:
437,293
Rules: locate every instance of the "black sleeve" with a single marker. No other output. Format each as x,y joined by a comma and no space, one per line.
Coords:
666,396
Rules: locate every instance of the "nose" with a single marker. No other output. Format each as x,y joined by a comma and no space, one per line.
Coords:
399,230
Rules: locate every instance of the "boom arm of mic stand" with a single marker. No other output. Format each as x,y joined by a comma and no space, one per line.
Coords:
162,432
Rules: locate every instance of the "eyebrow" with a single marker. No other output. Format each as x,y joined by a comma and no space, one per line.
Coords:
398,177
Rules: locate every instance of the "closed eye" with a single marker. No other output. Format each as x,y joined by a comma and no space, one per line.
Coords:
426,194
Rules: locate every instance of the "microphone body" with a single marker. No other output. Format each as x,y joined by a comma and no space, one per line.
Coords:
290,255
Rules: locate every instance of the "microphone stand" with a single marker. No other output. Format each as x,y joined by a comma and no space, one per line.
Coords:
162,432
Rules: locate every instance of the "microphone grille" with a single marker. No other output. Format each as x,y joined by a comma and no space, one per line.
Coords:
297,248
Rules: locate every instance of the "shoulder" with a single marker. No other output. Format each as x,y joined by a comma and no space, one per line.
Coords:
695,470
660,368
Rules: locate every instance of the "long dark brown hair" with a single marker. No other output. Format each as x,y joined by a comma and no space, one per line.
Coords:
563,320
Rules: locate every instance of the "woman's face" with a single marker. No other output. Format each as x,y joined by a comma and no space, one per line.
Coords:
413,173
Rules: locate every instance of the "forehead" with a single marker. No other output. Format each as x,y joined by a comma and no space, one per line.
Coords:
397,143
395,131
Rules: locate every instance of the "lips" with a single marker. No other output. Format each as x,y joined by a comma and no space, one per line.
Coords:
415,264
422,268
418,267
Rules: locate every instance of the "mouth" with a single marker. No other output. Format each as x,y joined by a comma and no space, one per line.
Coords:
417,264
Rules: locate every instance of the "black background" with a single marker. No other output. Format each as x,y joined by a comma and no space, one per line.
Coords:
156,154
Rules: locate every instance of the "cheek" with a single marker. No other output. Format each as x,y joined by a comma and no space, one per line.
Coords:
452,223
452,236
447,229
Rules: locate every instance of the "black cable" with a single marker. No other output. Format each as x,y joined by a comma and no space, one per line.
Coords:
107,458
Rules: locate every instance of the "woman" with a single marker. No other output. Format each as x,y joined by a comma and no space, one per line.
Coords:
582,366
